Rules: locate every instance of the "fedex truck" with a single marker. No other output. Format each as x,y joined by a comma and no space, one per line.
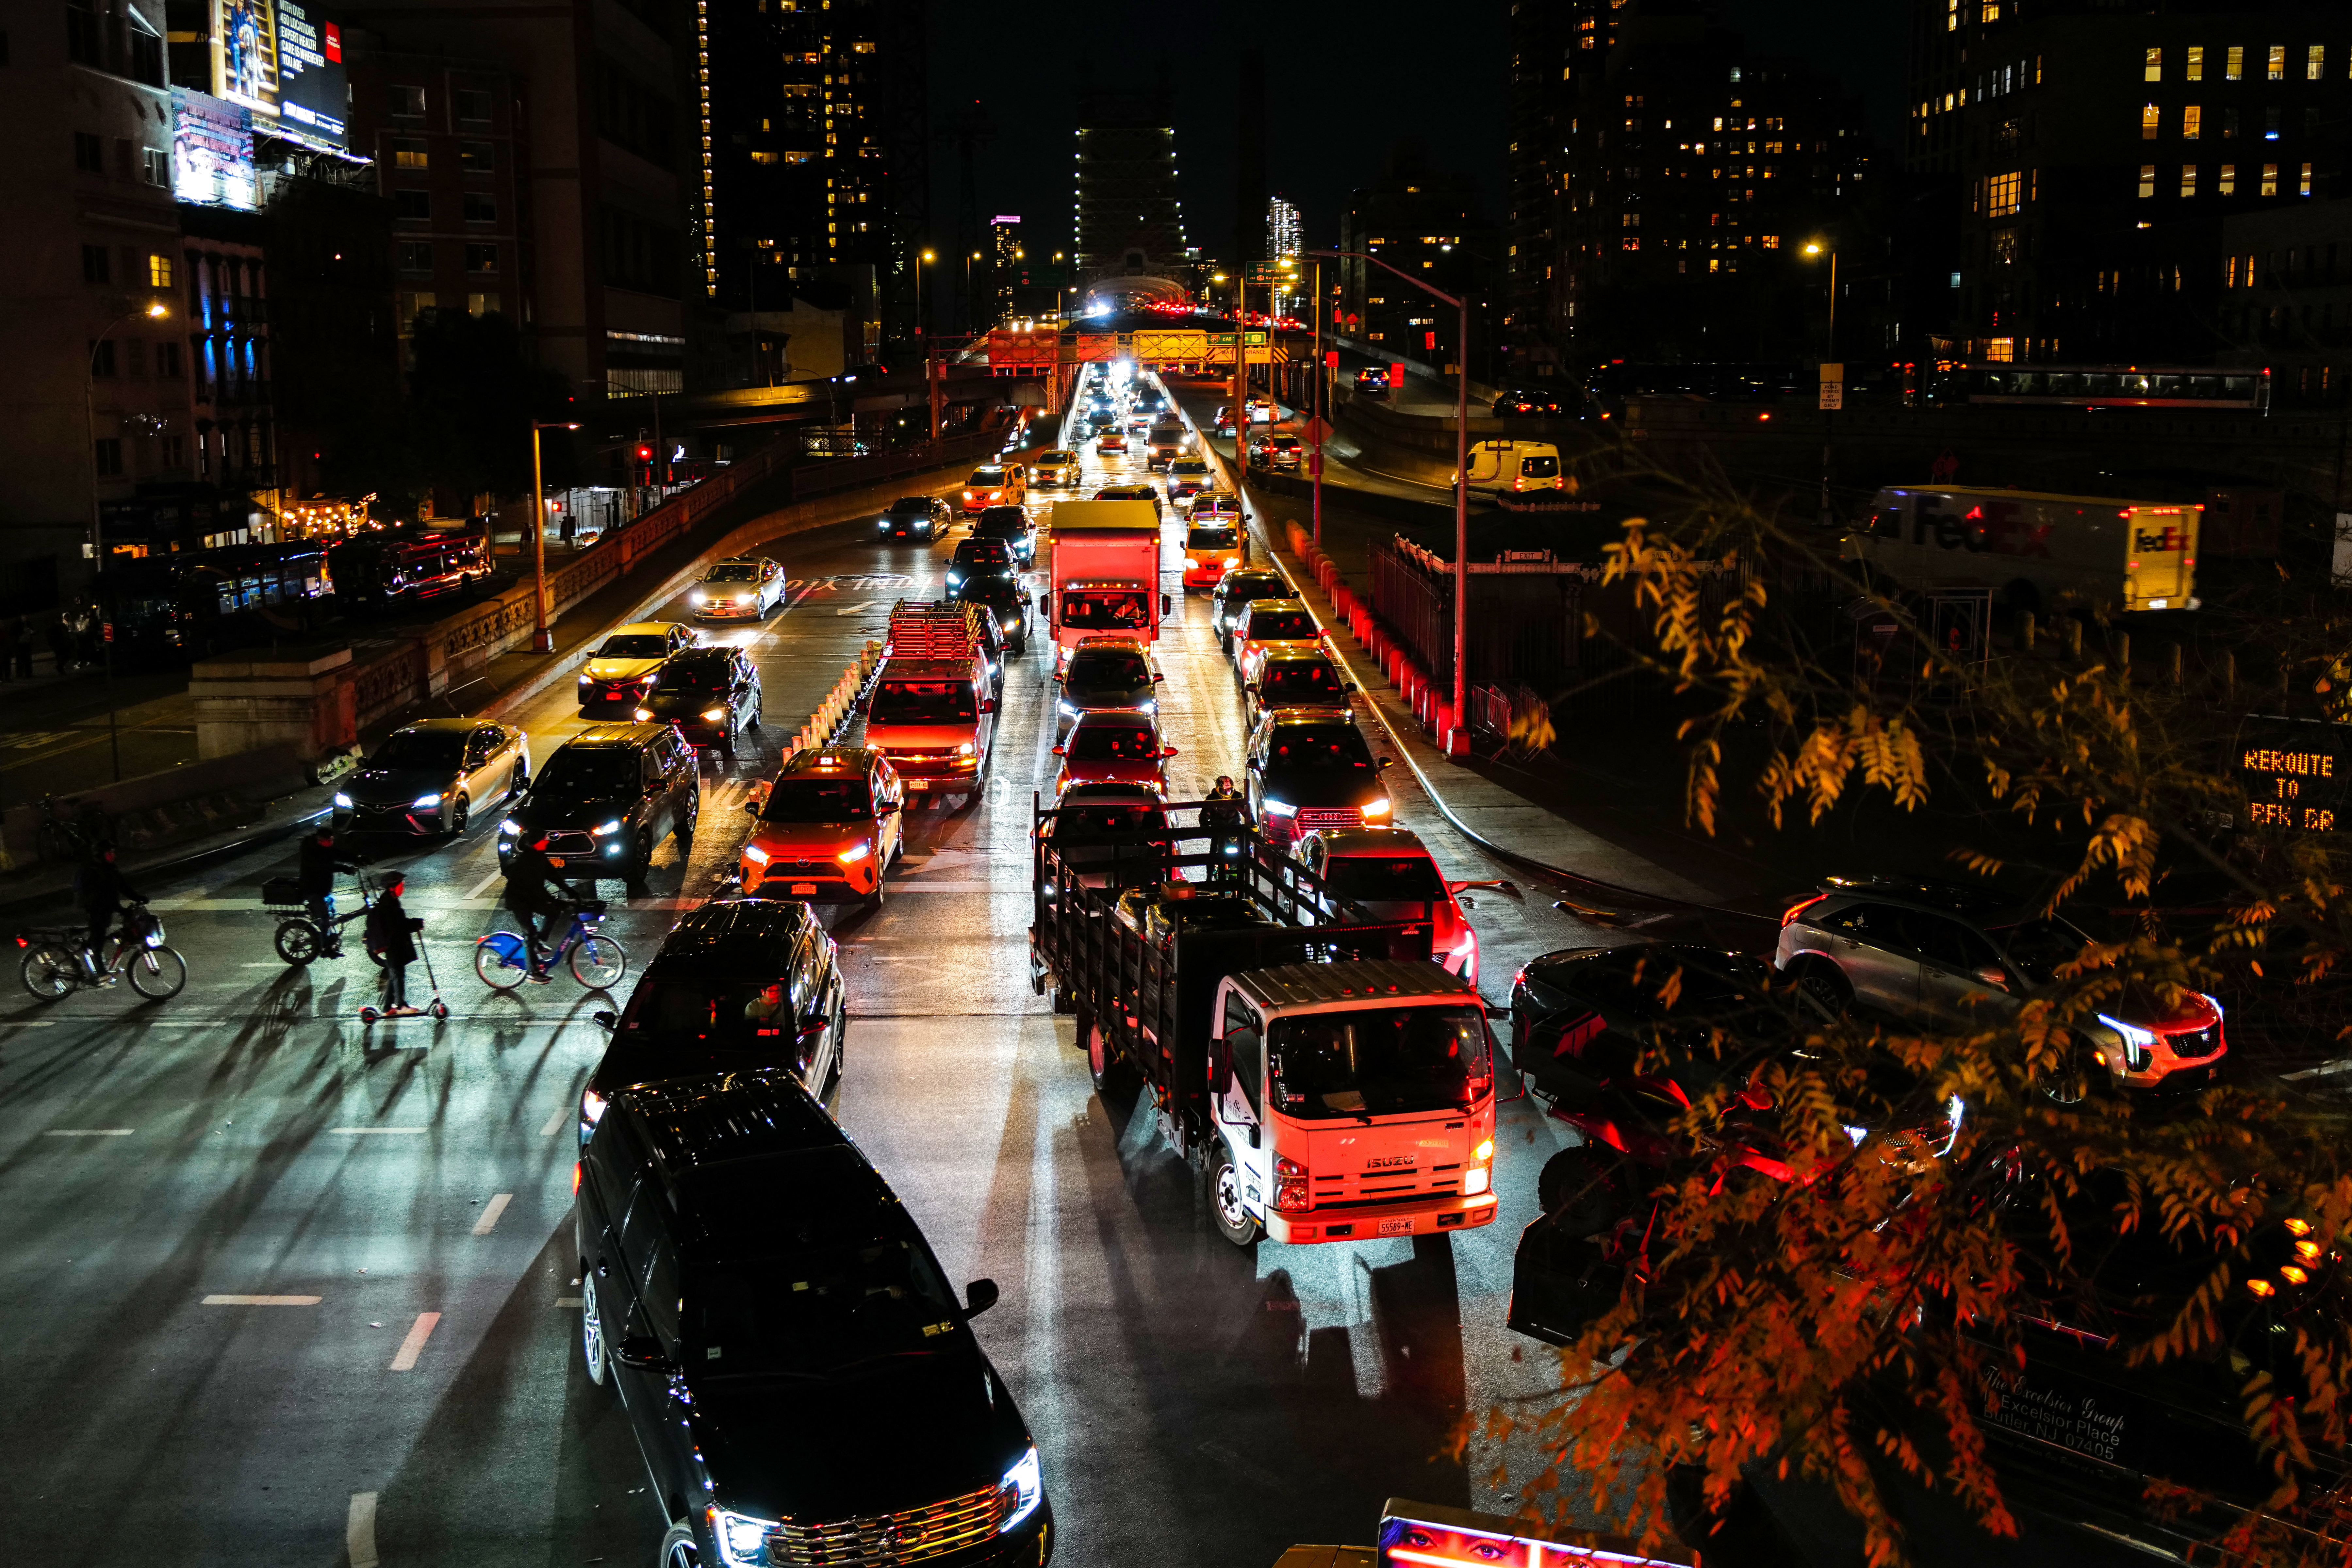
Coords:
1104,565
2034,550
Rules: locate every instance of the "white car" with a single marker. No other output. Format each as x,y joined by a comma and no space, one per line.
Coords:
745,587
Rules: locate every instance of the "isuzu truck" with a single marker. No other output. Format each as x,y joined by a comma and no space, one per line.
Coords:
1103,562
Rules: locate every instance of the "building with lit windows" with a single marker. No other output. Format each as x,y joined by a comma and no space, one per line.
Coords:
2095,156
1005,254
1424,221
1128,219
1283,237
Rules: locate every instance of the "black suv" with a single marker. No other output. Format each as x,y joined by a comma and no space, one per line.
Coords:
1110,673
981,557
1309,771
606,797
740,984
1005,600
708,694
802,1384
915,518
1013,526
1233,593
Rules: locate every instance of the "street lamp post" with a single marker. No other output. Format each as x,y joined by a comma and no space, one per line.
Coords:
922,306
1828,357
1461,491
543,640
154,310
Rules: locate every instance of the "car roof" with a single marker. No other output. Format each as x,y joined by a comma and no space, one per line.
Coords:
692,1124
1369,840
1258,604
721,936
605,736
1942,897
1289,984
714,653
1111,792
1284,655
456,726
829,759
930,669
911,502
663,627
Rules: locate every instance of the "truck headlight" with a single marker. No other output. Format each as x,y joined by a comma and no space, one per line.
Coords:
1474,1180
967,749
1021,1490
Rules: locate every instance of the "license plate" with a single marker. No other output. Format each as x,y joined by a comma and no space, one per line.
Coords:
803,887
914,783
1396,1227
555,860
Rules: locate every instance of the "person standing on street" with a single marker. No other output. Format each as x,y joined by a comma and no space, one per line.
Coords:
61,641
315,878
391,936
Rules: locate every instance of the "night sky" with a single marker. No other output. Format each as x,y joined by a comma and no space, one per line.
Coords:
1346,83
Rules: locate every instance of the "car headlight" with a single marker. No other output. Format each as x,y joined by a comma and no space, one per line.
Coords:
967,749
424,803
755,854
510,827
742,1539
1232,561
2138,1042
854,854
1065,709
644,714
1021,1490
342,803
586,681
1280,809
602,828
696,596
1378,808
1148,704
591,1107
714,714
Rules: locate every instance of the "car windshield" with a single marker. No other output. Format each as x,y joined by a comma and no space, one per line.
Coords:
1188,468
917,504
805,799
987,476
1113,743
1377,1062
1097,668
1322,746
733,572
825,1309
1058,455
643,645
923,702
1103,610
1209,537
599,772
1299,678
692,677
440,750
1378,877
1282,626
2038,947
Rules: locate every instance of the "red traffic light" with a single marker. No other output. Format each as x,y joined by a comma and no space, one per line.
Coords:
645,454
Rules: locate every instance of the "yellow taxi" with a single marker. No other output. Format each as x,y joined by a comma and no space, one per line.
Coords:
1213,546
1269,626
827,827
995,484
1059,466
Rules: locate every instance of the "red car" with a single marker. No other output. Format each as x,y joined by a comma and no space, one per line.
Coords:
1113,747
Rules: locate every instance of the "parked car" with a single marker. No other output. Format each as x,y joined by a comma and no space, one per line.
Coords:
831,822
1107,673
1014,526
709,694
619,673
799,1380
995,484
1296,677
923,518
1390,873
1111,748
1310,771
740,985
605,800
744,588
1955,956
1010,606
1235,595
428,776
978,557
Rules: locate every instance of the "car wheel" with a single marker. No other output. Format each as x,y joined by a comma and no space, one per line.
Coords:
679,1549
640,863
2069,1083
592,1330
1235,1221
460,810
1827,984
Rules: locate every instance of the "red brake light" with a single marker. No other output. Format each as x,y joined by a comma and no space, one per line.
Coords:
1788,916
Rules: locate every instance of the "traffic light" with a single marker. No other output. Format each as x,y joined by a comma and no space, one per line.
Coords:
644,453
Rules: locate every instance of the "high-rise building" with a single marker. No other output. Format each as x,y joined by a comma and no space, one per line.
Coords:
1005,254
1284,239
1543,51
814,159
2092,157
1426,222
1128,219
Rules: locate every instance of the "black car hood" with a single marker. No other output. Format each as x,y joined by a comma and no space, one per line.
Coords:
780,1447
396,785
541,811
1323,787
630,1060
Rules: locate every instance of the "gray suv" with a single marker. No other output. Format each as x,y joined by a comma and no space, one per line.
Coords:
1946,956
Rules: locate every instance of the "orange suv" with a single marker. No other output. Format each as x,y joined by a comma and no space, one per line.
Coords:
830,823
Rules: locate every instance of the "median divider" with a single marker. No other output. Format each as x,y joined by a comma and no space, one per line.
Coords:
838,707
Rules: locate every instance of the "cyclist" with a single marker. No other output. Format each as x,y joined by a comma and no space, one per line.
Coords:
389,937
542,899
315,877
1222,808
100,888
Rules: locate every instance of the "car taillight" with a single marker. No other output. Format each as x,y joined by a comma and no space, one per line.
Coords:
1788,916
1289,1186
575,1179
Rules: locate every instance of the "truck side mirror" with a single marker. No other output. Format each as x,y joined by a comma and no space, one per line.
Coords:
1388,762
1221,1062
1166,605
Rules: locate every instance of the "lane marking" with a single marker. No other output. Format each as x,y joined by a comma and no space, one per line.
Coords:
2325,1070
555,1124
375,1132
490,1213
262,1300
482,888
413,1345
88,1132
570,1301
28,1023
359,1531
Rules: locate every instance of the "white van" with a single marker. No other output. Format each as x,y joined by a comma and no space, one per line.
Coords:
2031,548
1507,465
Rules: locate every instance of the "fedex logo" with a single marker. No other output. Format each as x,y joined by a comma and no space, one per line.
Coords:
1994,527
2165,541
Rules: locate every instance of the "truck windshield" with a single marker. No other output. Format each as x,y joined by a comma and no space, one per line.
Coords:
825,1309
1103,610
817,801
923,702
1376,878
1380,1061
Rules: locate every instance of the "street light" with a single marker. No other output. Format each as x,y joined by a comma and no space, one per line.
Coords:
1829,358
543,641
922,314
1461,486
154,310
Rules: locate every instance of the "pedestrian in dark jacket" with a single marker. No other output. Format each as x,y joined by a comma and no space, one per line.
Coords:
315,878
61,641
391,938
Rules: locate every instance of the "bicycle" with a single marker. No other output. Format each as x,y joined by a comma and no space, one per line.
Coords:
502,958
302,937
56,963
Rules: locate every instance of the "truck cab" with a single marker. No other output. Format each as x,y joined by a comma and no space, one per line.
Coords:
932,709
1105,571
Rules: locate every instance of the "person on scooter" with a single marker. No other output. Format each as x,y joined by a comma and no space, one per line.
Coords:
391,938
100,888
1224,810
314,877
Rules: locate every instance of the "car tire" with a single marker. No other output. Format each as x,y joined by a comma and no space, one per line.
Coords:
640,863
1827,984
593,1357
752,724
460,810
2069,1083
1234,1222
680,1548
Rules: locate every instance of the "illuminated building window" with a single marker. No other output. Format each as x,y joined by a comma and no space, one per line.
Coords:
2188,179
2000,351
2146,180
2235,70
2003,193
2152,66
2277,62
2191,123
2196,71
2148,116
2270,179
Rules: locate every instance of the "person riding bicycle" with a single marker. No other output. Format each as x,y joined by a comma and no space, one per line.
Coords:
391,938
314,877
544,900
1222,808
100,888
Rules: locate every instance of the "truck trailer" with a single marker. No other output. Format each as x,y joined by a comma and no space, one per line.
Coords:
2035,549
1103,564
1324,1078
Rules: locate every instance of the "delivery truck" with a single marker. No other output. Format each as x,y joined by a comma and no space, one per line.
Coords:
932,707
1104,568
1324,1078
2035,550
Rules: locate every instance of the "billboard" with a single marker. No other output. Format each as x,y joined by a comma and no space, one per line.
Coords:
211,150
274,59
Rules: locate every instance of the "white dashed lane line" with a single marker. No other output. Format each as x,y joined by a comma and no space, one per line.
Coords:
413,1345
490,1213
